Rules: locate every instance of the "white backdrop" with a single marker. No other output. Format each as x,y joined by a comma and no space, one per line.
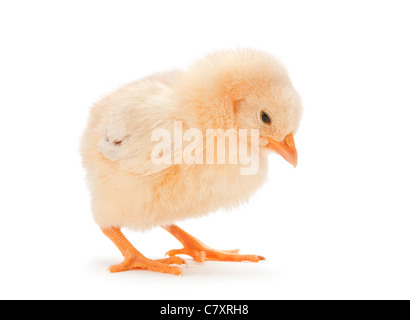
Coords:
336,227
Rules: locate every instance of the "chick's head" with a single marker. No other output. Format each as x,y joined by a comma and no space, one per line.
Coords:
247,89
274,110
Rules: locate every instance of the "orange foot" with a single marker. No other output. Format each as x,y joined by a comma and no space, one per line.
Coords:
133,259
138,261
201,252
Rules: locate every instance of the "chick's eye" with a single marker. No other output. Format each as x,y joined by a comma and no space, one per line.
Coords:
265,118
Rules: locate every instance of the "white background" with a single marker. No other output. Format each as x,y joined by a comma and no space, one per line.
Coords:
336,227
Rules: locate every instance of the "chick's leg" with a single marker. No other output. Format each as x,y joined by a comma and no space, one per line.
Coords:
133,259
201,252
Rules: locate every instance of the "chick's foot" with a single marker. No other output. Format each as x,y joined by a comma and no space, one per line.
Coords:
138,261
134,260
201,252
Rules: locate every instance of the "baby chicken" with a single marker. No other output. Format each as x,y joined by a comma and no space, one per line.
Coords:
232,89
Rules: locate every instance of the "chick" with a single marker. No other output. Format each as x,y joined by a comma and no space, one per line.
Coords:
232,89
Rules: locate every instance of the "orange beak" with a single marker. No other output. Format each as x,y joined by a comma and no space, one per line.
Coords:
286,149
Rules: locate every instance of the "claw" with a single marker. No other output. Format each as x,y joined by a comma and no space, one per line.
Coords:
173,252
173,260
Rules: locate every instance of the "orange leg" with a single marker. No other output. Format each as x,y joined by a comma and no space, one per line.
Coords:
133,259
201,252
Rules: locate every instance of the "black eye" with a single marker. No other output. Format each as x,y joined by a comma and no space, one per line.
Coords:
265,118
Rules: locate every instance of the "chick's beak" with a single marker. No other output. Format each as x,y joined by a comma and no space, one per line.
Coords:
286,148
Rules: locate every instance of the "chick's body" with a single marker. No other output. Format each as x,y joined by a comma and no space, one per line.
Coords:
234,89
123,194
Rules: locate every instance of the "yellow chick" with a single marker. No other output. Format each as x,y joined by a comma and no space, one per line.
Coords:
140,181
